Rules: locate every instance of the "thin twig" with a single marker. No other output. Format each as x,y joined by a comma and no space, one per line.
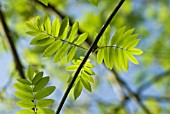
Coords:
131,93
153,80
12,46
87,55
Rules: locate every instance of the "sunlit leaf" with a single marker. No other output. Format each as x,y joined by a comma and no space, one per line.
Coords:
45,2
77,90
30,73
45,111
25,103
24,81
24,95
41,83
44,102
71,53
44,92
26,111
73,32
55,27
52,48
23,87
37,77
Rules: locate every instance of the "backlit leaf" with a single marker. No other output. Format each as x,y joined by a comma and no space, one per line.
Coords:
52,48
55,27
71,53
25,103
24,95
37,77
41,83
44,102
77,89
30,73
44,92
26,111
64,28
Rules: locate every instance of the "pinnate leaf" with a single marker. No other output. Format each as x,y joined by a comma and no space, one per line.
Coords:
77,89
25,103
41,83
26,111
44,102
44,92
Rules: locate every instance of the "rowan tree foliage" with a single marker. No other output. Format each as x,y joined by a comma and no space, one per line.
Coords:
84,56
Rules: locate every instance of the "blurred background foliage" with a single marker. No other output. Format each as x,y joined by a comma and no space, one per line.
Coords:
150,80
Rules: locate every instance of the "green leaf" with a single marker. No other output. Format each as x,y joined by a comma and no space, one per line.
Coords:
77,89
26,111
44,103
55,27
47,24
24,81
64,28
40,23
124,60
132,58
60,53
37,77
71,53
25,103
44,92
81,38
89,65
33,33
42,42
106,57
87,76
45,111
45,2
136,51
24,95
100,56
86,84
23,87
112,57
117,36
41,83
72,67
52,48
73,32
89,71
30,73
94,2
31,26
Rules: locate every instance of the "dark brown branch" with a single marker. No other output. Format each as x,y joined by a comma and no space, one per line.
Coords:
12,46
87,55
153,80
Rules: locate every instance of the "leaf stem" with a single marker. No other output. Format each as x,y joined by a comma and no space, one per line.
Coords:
87,55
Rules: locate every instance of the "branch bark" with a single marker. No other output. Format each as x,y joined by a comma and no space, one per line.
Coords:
17,61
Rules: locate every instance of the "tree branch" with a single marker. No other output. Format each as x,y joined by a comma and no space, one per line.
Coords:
87,55
131,94
153,80
12,46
